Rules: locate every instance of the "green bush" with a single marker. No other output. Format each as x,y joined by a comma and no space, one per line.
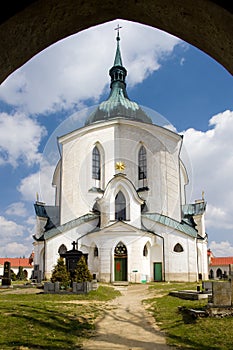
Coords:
13,276
82,273
60,273
20,274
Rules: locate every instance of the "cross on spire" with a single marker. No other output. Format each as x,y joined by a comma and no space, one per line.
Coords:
118,31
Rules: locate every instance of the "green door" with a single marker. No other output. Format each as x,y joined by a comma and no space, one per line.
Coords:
158,271
120,269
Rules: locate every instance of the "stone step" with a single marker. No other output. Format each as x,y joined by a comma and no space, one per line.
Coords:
120,283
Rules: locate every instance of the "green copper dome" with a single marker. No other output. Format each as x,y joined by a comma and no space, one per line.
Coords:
118,104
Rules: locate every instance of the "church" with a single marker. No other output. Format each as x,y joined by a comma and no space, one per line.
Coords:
121,198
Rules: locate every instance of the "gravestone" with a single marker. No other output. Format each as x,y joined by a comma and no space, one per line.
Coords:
231,282
6,280
57,287
222,293
231,271
37,274
72,257
207,286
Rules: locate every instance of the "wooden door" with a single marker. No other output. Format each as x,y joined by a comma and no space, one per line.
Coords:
120,269
158,271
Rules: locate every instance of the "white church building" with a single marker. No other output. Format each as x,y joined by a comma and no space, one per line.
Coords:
121,196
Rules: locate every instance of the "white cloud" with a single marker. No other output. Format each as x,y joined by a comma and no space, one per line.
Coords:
182,61
31,221
211,156
9,229
219,217
17,209
14,249
14,239
75,68
221,249
39,182
20,137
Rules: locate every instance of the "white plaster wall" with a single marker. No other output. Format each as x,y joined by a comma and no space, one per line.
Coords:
203,259
163,167
76,200
184,180
40,224
133,202
178,266
38,246
16,270
200,221
57,182
222,267
120,140
66,238
106,241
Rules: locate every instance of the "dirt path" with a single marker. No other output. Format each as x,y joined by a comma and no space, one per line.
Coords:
127,325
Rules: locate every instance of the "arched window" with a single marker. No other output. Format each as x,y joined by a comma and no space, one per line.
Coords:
120,206
62,249
178,248
120,249
96,164
145,250
96,251
219,273
211,275
142,164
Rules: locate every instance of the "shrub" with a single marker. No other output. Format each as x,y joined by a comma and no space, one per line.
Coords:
82,273
60,273
20,274
13,276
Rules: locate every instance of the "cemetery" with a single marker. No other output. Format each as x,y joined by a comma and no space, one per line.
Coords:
219,295
70,276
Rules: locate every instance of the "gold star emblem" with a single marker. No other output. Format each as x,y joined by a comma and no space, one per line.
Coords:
120,166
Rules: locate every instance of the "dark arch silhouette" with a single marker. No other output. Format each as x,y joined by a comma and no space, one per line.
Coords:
27,27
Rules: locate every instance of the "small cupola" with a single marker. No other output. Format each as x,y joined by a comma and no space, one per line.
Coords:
118,104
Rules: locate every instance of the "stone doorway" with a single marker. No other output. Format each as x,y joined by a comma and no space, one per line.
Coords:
120,262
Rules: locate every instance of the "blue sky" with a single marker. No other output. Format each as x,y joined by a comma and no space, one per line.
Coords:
187,87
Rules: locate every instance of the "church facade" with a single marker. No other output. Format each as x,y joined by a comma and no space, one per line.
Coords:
121,196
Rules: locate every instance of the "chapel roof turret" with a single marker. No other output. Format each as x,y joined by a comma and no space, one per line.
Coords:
118,104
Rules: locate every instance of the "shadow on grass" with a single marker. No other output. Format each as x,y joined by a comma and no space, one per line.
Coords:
187,317
42,328
185,343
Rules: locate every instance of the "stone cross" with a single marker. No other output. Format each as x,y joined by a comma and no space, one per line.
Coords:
74,244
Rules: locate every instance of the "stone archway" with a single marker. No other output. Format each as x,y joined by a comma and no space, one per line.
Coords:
120,262
28,27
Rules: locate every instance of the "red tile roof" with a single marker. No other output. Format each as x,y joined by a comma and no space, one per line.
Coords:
220,261
16,262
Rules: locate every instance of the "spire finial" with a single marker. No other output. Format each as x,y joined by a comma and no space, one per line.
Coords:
118,32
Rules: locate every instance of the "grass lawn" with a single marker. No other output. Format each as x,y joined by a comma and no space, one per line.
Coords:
49,321
185,332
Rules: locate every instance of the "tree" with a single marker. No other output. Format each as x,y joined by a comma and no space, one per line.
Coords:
60,273
82,273
20,274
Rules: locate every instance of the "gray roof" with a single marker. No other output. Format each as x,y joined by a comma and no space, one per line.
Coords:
194,209
69,225
165,220
50,212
